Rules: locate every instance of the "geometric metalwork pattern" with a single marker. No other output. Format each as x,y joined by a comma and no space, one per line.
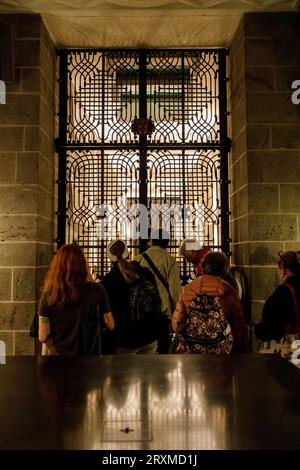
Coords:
103,187
115,181
182,96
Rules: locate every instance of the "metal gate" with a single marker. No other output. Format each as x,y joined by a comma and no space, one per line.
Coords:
142,144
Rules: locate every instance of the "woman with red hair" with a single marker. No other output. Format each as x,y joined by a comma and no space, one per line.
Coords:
69,303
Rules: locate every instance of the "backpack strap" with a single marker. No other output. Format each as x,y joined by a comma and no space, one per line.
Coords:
159,275
295,327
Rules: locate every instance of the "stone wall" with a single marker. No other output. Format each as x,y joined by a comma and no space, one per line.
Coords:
27,173
265,160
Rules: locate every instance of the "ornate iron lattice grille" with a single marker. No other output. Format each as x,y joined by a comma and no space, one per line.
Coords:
105,170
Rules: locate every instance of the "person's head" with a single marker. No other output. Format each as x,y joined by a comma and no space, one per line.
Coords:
288,264
118,252
67,273
192,250
160,237
215,263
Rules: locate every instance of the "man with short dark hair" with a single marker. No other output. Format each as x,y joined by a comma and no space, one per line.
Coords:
167,266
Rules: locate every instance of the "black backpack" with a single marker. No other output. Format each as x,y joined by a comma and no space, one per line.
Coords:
144,316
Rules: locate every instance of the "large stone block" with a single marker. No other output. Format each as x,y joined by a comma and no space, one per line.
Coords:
286,136
40,254
237,74
15,86
259,79
239,145
260,52
32,135
24,344
272,227
240,173
18,199
49,250
28,26
284,76
5,284
272,51
238,118
271,108
263,198
27,52
7,337
47,119
31,79
17,254
239,202
291,246
45,230
47,147
240,229
41,274
48,66
18,228
47,92
290,197
46,174
258,136
274,166
262,282
16,315
21,109
240,254
7,167
24,284
27,167
264,254
45,203
11,138
271,23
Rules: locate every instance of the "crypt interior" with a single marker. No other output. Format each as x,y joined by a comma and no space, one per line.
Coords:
216,80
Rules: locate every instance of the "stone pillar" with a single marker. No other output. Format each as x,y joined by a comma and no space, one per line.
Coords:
27,173
265,160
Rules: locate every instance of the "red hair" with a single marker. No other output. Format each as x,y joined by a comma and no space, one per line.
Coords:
67,273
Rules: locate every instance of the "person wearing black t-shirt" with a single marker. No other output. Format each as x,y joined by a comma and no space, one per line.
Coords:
69,303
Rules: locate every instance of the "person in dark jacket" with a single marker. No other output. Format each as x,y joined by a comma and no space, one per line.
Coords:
118,283
279,312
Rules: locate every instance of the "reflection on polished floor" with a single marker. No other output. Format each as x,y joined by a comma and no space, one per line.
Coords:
144,402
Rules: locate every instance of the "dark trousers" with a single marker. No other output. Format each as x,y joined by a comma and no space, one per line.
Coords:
165,338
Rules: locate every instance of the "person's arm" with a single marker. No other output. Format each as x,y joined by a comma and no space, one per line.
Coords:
179,315
109,320
105,308
44,322
44,329
237,322
174,283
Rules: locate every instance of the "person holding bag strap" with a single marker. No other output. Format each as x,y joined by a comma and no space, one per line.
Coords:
166,272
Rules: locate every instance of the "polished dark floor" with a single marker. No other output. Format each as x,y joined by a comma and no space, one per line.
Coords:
149,402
